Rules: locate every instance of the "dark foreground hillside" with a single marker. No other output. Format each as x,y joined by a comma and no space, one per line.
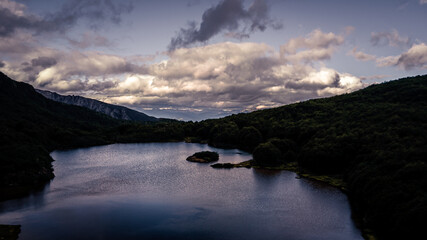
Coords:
375,139
32,126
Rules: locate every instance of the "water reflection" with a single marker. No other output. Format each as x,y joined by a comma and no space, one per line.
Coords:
266,180
34,200
149,191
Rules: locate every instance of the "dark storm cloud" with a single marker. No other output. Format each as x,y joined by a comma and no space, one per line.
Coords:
229,15
43,62
2,64
94,10
9,22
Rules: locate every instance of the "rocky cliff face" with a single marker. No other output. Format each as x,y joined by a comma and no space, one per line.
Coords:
113,111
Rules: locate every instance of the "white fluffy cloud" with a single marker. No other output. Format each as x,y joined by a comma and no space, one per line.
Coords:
415,57
209,61
224,77
84,64
65,71
237,76
314,47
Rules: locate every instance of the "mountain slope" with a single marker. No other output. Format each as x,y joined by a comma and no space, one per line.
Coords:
114,111
31,126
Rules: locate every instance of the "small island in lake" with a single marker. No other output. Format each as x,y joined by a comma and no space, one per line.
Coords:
204,157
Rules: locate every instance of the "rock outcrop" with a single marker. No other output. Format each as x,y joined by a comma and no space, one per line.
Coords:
204,157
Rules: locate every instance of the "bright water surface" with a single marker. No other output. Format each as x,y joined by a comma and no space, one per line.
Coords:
149,191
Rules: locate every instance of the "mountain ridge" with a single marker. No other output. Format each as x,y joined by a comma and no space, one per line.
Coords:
114,111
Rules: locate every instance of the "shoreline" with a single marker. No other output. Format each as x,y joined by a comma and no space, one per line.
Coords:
16,192
335,181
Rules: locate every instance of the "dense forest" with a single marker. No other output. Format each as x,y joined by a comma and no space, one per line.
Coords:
374,139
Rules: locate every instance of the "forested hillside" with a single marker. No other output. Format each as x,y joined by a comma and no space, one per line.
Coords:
374,139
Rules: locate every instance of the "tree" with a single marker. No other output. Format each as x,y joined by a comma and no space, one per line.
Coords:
267,154
249,138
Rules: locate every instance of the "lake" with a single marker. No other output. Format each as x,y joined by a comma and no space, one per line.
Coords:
149,191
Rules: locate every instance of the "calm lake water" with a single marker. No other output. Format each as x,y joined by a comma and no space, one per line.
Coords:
149,191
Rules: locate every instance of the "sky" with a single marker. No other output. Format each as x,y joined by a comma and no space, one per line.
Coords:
199,59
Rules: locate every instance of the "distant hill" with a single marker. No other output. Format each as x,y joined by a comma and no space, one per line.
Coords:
114,111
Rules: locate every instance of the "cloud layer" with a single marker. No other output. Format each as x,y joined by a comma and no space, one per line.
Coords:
314,47
230,16
14,16
216,79
209,80
414,58
361,56
389,38
231,77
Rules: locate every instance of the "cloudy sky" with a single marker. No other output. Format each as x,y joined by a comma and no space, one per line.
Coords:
198,59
